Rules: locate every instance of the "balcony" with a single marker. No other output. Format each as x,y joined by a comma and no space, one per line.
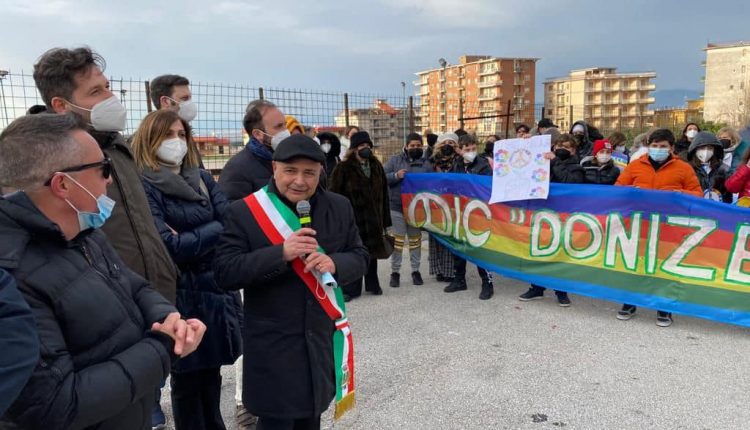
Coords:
488,71
488,83
485,97
649,87
518,69
517,81
648,100
612,102
595,114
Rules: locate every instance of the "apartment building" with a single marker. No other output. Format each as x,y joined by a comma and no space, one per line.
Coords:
727,83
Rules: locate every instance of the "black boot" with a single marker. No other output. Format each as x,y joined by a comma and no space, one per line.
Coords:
416,278
487,291
458,284
395,280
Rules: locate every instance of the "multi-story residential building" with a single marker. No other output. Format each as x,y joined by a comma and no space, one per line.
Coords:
676,118
387,125
476,93
727,83
602,97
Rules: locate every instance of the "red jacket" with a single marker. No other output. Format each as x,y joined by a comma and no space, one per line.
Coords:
740,181
674,175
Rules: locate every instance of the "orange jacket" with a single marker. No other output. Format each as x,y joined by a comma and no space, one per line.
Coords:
674,175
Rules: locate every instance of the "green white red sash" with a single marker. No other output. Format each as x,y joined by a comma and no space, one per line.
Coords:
278,222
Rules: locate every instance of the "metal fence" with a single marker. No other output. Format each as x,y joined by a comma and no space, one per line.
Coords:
388,118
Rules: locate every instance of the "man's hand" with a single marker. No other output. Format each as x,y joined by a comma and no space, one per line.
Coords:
195,332
174,327
299,244
320,262
400,174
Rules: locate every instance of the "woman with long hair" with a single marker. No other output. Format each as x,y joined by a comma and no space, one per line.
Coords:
188,207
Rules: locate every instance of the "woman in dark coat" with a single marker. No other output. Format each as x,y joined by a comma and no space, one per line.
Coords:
706,155
361,179
188,207
331,146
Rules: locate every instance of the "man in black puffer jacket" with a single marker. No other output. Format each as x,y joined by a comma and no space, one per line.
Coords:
107,339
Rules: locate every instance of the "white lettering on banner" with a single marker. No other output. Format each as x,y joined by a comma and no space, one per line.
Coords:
672,265
628,243
551,219
426,199
595,230
739,256
450,228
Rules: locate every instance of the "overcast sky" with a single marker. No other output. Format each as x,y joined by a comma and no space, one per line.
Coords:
369,46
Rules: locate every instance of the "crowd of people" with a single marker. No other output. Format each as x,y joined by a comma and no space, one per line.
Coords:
124,262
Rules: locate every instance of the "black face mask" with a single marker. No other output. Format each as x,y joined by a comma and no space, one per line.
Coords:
579,138
726,143
562,154
448,150
489,147
415,153
365,153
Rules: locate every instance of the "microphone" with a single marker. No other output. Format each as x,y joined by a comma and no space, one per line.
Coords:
305,221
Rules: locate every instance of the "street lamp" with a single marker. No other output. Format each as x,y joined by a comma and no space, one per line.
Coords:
3,75
444,126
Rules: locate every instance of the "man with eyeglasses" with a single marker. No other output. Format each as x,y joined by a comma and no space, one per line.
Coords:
107,339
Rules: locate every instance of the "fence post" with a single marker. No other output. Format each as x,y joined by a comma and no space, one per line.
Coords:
507,120
411,114
346,109
147,84
260,93
461,113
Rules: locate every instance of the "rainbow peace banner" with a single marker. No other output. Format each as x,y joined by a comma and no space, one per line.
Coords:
658,249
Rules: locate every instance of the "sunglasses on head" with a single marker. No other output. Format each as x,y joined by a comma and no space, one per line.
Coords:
105,164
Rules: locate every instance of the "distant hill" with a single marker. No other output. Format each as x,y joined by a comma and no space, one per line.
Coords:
674,98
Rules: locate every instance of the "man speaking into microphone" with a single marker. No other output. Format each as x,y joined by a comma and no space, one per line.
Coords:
290,314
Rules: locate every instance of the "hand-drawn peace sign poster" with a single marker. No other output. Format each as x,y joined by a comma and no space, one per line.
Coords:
520,171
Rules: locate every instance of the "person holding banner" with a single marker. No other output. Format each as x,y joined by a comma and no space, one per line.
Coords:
662,169
296,336
565,168
472,164
440,258
600,168
706,156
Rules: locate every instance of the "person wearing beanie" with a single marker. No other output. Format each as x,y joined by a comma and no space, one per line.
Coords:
293,125
440,258
361,179
409,160
431,141
600,168
580,131
706,155
331,146
470,163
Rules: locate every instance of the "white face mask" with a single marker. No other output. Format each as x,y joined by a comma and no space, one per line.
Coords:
107,115
326,147
470,156
172,151
691,133
704,154
603,158
188,110
278,137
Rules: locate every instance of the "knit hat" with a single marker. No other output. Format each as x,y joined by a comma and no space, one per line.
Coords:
577,128
601,144
431,139
359,138
447,136
292,123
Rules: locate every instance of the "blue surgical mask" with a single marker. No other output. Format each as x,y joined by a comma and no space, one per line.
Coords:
87,220
658,154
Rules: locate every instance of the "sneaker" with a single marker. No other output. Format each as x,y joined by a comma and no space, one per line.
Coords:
563,300
626,312
456,285
416,278
487,291
532,294
158,420
395,280
244,419
663,319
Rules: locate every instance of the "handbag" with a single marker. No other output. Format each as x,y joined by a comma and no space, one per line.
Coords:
388,244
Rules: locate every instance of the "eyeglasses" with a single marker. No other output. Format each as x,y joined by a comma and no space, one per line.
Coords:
105,164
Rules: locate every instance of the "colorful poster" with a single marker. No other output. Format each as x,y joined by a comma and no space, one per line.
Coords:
658,249
520,170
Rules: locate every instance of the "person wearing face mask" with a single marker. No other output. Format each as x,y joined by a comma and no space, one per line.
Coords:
706,155
440,258
250,169
489,147
362,179
188,209
470,162
600,168
584,135
331,146
565,168
431,140
173,92
688,134
293,125
660,170
409,160
345,139
739,182
107,339
734,147
71,80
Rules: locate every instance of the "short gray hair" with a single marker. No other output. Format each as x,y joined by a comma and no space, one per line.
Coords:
33,147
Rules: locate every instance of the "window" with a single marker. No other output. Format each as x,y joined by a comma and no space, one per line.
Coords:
743,69
731,87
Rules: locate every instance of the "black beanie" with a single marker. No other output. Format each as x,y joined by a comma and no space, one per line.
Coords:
432,139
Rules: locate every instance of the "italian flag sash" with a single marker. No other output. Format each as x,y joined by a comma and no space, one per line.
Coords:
278,222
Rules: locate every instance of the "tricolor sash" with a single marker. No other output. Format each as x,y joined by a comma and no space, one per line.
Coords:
278,222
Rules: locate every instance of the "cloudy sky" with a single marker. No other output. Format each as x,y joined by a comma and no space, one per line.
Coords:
369,46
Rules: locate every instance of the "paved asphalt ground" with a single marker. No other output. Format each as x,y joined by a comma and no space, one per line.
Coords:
430,360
